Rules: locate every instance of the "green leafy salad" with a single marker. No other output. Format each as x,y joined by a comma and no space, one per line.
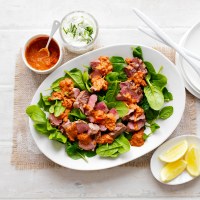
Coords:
115,103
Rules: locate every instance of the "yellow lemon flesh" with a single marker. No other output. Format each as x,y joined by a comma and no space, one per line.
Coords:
172,170
192,158
175,153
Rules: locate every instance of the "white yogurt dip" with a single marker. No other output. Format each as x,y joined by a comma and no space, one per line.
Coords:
79,31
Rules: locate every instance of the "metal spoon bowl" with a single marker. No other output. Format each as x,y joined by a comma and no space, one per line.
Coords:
45,51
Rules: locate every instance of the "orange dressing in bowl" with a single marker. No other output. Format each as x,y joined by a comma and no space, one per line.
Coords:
37,59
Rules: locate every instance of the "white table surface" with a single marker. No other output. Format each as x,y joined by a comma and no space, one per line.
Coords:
20,19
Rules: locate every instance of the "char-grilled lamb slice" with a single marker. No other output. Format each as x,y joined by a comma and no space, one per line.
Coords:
130,112
102,128
82,126
135,94
119,129
91,103
94,64
115,113
76,92
55,121
135,126
86,142
81,100
135,119
93,129
134,66
101,106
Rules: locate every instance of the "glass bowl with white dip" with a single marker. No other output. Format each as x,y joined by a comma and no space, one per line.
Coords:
79,31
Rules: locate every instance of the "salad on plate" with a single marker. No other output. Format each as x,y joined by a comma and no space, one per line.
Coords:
107,108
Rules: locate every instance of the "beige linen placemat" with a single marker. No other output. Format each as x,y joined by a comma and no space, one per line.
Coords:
25,154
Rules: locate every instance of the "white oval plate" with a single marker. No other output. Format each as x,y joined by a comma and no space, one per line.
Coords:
190,41
56,151
156,164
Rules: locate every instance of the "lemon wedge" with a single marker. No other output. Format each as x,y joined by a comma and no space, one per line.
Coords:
192,158
172,170
175,153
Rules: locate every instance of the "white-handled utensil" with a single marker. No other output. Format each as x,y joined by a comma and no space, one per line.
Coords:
156,37
167,40
55,26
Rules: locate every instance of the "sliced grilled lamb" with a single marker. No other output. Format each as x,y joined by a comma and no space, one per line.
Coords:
101,106
115,113
93,129
76,92
86,142
82,126
134,66
81,100
119,129
55,121
135,126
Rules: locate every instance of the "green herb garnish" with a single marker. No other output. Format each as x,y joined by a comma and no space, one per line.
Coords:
85,35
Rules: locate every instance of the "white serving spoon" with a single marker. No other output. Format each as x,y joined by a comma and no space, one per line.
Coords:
156,164
162,35
55,26
155,37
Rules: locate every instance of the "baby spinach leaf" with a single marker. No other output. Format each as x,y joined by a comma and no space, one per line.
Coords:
112,76
36,114
41,128
151,115
167,95
51,109
159,80
122,76
76,114
137,52
55,85
117,59
145,136
77,77
41,124
124,145
86,80
144,103
44,103
58,136
110,99
118,67
119,146
101,98
128,135
58,109
150,67
112,92
90,154
119,76
154,127
160,70
73,151
154,96
121,108
166,112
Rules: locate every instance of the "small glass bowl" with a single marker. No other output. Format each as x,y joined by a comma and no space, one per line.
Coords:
87,47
